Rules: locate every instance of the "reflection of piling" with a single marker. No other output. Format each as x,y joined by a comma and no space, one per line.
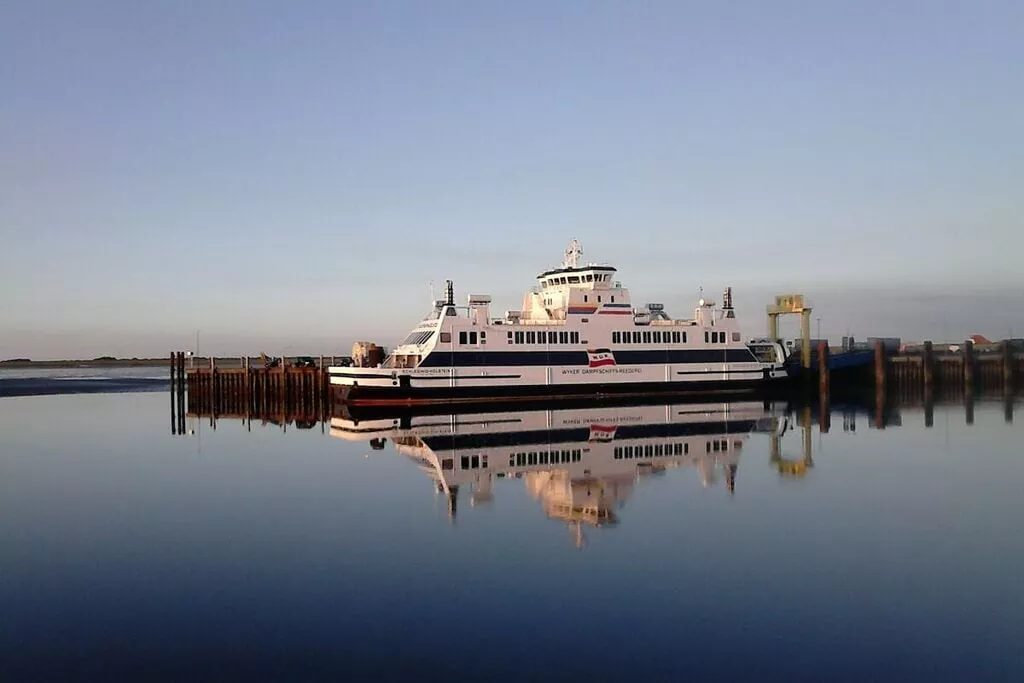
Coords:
929,408
1008,408
969,408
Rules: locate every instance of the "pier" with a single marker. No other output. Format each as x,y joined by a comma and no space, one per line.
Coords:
299,391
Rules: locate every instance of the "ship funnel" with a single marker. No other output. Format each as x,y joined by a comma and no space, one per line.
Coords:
449,292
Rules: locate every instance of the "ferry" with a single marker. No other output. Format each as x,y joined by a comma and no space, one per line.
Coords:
581,464
578,333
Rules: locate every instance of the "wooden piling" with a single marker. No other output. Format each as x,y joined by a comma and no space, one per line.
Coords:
928,366
880,366
174,398
824,375
1008,366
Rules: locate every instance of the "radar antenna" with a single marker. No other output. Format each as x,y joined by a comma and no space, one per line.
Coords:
572,255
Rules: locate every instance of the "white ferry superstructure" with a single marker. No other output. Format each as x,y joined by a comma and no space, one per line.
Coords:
577,333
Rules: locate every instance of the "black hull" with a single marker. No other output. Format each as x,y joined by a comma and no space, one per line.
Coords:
447,396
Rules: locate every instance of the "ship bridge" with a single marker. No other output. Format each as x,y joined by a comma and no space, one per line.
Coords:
573,288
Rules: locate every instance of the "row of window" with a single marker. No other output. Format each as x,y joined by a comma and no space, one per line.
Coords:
543,337
550,301
527,459
719,337
575,279
721,445
468,462
418,337
544,458
656,450
468,337
649,337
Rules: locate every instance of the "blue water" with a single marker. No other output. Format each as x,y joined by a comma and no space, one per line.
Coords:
229,554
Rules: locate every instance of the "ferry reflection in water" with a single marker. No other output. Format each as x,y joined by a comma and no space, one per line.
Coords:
583,464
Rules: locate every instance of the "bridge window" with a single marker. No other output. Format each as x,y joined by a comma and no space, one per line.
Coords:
462,337
483,337
510,337
575,337
574,280
563,337
584,298
735,336
446,337
657,337
590,278
615,337
647,337
519,337
598,298
613,298
707,336
636,337
531,337
472,337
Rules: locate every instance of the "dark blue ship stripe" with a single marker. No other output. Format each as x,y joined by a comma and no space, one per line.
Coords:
463,359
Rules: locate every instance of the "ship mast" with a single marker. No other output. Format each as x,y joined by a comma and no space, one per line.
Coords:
572,255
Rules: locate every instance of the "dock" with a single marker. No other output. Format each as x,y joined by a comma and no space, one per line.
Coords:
246,389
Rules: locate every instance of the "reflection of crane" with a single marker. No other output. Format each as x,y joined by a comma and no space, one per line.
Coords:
789,467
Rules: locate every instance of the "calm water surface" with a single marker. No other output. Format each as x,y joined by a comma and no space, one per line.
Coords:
726,551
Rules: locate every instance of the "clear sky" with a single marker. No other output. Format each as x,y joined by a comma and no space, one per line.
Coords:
291,176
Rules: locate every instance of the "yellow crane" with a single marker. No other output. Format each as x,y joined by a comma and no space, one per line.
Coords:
786,304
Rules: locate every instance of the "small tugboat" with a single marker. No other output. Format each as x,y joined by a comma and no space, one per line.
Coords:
577,334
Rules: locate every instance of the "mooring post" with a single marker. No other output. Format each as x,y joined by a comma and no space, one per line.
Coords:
880,366
928,366
969,367
824,378
182,390
174,417
1007,366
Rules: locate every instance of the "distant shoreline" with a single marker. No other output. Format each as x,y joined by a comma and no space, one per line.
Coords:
16,363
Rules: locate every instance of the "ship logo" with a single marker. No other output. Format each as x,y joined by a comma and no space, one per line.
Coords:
601,433
598,358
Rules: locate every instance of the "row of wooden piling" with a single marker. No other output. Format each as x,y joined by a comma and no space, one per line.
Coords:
178,392
966,371
303,393
246,392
